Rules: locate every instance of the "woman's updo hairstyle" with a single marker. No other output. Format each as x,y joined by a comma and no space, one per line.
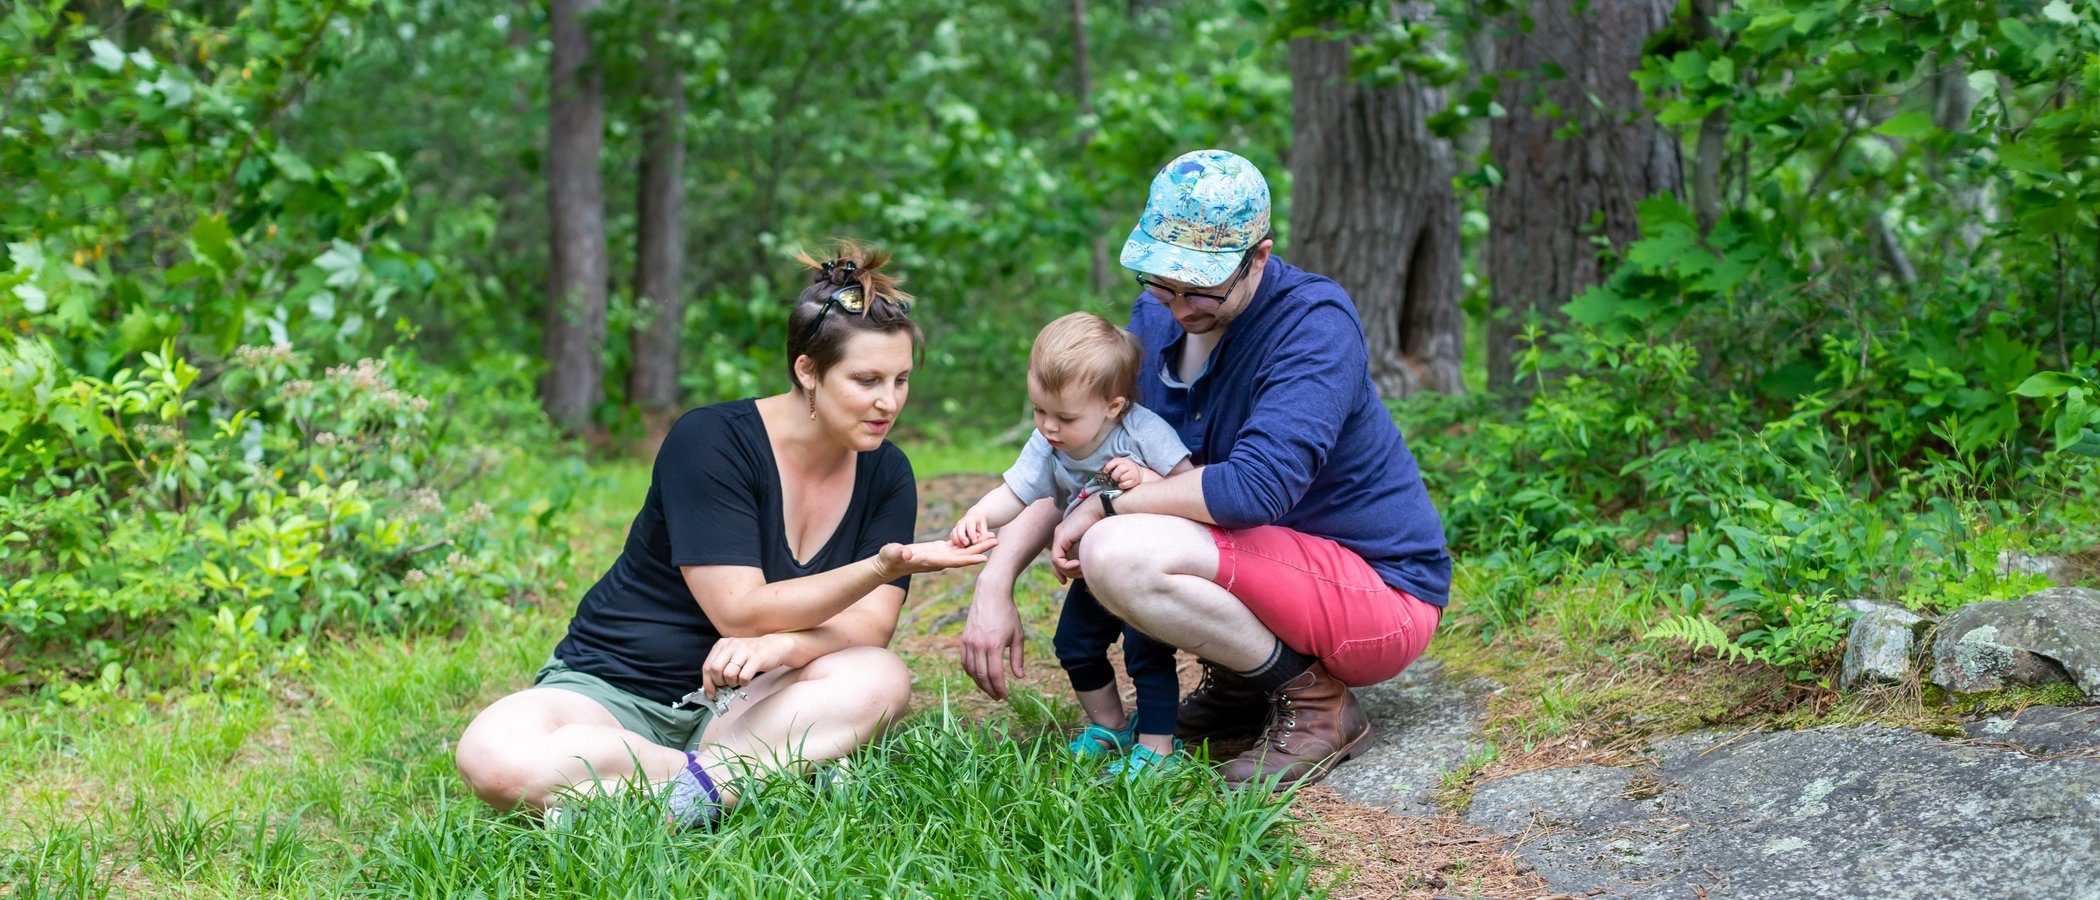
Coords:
825,316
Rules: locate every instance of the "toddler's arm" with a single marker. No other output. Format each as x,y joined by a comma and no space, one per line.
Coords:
997,508
1129,473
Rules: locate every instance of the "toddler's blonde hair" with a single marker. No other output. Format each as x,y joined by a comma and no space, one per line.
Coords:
1084,350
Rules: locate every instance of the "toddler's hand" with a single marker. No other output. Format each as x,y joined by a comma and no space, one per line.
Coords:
1127,473
970,531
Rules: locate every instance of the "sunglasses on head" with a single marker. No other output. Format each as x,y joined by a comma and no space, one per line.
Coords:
849,298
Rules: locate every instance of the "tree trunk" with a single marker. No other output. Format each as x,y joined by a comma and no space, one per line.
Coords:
1712,154
1083,85
1952,102
1557,194
575,331
1372,208
652,383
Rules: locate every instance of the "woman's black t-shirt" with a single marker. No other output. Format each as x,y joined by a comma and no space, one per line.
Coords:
714,500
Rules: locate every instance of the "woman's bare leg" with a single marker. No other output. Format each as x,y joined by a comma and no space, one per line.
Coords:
527,748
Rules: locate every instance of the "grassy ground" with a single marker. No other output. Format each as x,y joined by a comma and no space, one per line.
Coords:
338,781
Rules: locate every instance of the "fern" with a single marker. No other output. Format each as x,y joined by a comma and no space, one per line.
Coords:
1702,634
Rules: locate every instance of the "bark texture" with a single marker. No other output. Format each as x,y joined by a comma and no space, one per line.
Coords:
1083,88
575,330
652,383
1559,194
1372,208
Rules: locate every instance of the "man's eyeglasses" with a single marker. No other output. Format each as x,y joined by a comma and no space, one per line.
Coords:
1202,300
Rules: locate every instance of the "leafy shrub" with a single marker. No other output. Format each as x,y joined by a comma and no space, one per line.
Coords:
1630,465
170,526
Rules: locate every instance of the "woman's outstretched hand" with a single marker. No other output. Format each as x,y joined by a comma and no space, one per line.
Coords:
899,560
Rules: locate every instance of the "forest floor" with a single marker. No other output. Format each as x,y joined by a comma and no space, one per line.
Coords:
300,786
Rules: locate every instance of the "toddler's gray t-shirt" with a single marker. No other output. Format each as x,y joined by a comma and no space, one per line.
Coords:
1044,471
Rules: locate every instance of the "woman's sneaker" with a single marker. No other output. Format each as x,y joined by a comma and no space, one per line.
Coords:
1099,741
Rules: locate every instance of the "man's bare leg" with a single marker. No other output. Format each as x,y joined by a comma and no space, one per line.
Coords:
1155,573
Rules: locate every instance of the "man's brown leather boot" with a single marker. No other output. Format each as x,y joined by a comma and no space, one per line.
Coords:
1224,707
1314,724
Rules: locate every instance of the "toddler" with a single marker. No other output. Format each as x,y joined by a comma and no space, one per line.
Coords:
1090,436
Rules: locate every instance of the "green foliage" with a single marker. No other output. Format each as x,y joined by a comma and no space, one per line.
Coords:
948,132
2074,411
214,531
151,196
1632,473
1703,634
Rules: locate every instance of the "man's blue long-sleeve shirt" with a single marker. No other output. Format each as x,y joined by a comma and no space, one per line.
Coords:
1290,431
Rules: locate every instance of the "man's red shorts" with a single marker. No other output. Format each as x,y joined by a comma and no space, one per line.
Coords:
1324,600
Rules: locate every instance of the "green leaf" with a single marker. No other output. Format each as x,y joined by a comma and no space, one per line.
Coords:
2059,11
2047,384
1910,124
1721,70
1593,307
2017,32
343,262
27,255
141,328
106,56
292,165
2030,157
1689,66
1663,209
215,242
33,298
2073,419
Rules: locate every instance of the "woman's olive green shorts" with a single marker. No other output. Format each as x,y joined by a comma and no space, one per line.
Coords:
666,727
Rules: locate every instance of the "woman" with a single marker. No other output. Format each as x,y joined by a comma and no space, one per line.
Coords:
745,623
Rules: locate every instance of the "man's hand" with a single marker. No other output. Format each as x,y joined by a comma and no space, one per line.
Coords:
993,640
1064,544
735,661
898,560
971,530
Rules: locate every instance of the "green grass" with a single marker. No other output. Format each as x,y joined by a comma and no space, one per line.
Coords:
343,785
338,781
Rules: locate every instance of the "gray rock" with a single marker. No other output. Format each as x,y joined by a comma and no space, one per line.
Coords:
1862,811
2043,729
1424,725
1883,642
2054,568
2042,638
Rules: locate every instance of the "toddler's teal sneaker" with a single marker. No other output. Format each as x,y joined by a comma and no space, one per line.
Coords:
1099,741
1144,761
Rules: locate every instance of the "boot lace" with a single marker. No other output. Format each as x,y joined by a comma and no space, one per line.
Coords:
1283,721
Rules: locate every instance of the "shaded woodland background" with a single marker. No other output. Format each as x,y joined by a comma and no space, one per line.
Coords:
1709,312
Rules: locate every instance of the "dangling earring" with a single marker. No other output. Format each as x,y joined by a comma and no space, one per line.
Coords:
812,404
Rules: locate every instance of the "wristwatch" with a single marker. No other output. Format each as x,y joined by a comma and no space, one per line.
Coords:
1108,496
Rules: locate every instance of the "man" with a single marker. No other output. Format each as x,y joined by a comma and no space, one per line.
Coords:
1302,556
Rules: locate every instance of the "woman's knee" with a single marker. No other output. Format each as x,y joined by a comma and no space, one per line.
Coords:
489,763
876,678
498,755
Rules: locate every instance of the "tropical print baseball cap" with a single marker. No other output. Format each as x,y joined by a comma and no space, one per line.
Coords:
1206,209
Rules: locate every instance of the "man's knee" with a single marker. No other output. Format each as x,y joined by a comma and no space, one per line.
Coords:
1126,557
